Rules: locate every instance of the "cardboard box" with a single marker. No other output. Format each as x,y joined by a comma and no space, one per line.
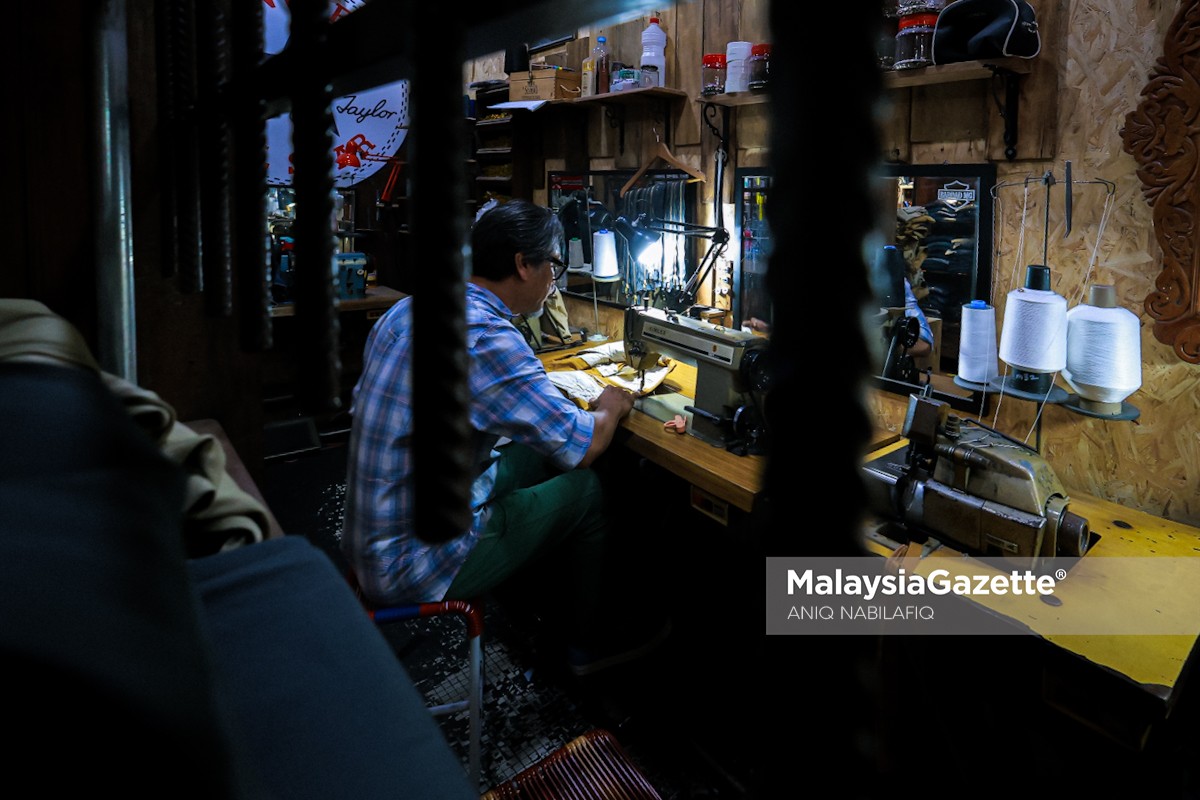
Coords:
544,84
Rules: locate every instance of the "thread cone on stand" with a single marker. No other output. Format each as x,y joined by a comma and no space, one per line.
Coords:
1033,340
575,253
604,254
1104,351
977,344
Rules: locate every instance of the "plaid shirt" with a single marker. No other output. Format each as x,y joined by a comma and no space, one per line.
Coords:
510,397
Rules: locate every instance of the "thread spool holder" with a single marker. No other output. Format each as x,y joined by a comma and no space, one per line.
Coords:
1037,387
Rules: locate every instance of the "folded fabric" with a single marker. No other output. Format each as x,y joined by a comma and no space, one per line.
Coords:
591,357
584,386
641,384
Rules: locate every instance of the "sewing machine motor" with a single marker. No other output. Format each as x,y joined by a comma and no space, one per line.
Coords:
969,485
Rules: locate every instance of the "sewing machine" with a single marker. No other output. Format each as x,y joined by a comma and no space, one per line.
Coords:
960,482
732,377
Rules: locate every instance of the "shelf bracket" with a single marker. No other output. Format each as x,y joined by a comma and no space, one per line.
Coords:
1008,109
664,115
710,111
616,119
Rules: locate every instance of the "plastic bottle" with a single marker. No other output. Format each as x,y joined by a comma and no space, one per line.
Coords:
587,83
654,49
737,75
601,56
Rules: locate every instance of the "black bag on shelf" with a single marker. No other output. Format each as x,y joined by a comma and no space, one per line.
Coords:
970,30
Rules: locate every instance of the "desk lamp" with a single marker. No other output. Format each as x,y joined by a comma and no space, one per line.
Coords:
646,230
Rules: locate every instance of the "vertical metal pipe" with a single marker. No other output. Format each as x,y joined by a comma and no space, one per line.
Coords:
442,435
117,343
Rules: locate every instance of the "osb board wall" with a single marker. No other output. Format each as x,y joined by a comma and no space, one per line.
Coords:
1152,464
605,319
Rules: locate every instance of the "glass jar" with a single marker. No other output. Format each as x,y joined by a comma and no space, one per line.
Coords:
760,67
885,45
914,40
712,74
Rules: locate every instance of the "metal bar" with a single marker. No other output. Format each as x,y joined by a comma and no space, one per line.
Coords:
475,711
442,440
252,249
117,332
216,248
184,145
318,362
169,55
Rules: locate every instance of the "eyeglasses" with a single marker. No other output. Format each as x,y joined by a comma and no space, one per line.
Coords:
558,265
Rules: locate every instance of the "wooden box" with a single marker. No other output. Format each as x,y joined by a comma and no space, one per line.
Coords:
544,84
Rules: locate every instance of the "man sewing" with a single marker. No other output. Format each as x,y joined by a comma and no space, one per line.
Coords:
533,496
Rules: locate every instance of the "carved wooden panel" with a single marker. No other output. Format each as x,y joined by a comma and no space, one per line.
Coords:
1163,136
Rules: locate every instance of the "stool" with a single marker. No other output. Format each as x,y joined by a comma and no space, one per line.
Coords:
593,766
472,613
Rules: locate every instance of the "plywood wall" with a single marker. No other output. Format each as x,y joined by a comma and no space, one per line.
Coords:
1152,464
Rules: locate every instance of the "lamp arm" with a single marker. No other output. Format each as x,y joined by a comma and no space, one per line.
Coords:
715,250
680,228
718,242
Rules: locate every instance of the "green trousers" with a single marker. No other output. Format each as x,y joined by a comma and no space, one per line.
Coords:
546,526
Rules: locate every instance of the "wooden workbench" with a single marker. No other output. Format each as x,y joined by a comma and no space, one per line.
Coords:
1121,685
736,480
377,298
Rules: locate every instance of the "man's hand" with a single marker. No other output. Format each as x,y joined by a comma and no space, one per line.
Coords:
614,400
613,405
757,325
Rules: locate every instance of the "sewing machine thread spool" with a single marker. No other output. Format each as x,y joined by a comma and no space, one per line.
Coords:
575,253
1104,350
1033,340
977,344
604,254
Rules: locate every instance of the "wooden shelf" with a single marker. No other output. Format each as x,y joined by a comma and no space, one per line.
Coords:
952,73
734,99
630,96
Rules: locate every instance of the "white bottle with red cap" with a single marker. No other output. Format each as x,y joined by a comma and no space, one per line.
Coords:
654,48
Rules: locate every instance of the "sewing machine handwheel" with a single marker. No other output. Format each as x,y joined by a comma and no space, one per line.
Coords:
756,369
1073,535
906,331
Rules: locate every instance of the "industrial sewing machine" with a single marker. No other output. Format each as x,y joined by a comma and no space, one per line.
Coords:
732,374
960,482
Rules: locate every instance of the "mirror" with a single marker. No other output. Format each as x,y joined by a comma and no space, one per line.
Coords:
652,217
752,296
942,240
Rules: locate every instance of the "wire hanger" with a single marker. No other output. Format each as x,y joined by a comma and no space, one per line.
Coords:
661,151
